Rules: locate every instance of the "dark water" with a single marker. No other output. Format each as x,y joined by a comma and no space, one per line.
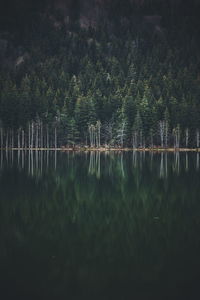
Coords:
99,226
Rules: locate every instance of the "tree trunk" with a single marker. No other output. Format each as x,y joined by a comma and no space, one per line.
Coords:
41,135
166,134
162,128
18,136
55,138
22,139
47,136
36,138
12,133
32,134
186,137
29,135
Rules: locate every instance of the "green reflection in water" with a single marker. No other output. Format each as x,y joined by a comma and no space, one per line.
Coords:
99,225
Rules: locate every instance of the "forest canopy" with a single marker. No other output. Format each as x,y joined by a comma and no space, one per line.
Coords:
127,78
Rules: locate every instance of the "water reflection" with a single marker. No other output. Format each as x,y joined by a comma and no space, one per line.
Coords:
197,163
37,162
176,162
186,162
94,165
135,159
98,223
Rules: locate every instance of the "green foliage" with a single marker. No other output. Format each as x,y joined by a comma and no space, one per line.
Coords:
100,74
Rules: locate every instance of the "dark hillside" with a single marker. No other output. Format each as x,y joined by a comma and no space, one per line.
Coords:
125,71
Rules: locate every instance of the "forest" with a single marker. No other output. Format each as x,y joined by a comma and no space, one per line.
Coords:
129,81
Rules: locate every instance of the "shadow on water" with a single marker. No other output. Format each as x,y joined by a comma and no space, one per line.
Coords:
99,225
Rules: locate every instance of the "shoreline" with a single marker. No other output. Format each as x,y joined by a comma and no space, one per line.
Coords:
102,149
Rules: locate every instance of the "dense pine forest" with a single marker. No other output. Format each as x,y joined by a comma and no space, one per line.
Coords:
129,78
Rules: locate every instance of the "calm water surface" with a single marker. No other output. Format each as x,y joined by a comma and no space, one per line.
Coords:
99,226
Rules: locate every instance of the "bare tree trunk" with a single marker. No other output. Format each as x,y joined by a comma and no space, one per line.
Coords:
10,139
178,136
93,136
29,135
32,134
99,132
12,133
186,137
91,142
38,134
41,135
176,139
7,140
174,135
121,134
36,137
90,135
162,128
96,137
55,137
197,135
166,134
98,129
47,136
18,136
22,139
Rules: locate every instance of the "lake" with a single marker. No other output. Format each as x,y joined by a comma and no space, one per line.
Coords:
99,225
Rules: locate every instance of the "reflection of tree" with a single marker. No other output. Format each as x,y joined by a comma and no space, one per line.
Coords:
122,165
197,162
177,162
186,161
166,164
135,159
35,162
121,224
161,166
95,164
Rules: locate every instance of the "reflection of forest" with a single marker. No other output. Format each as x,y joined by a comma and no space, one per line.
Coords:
35,162
89,218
